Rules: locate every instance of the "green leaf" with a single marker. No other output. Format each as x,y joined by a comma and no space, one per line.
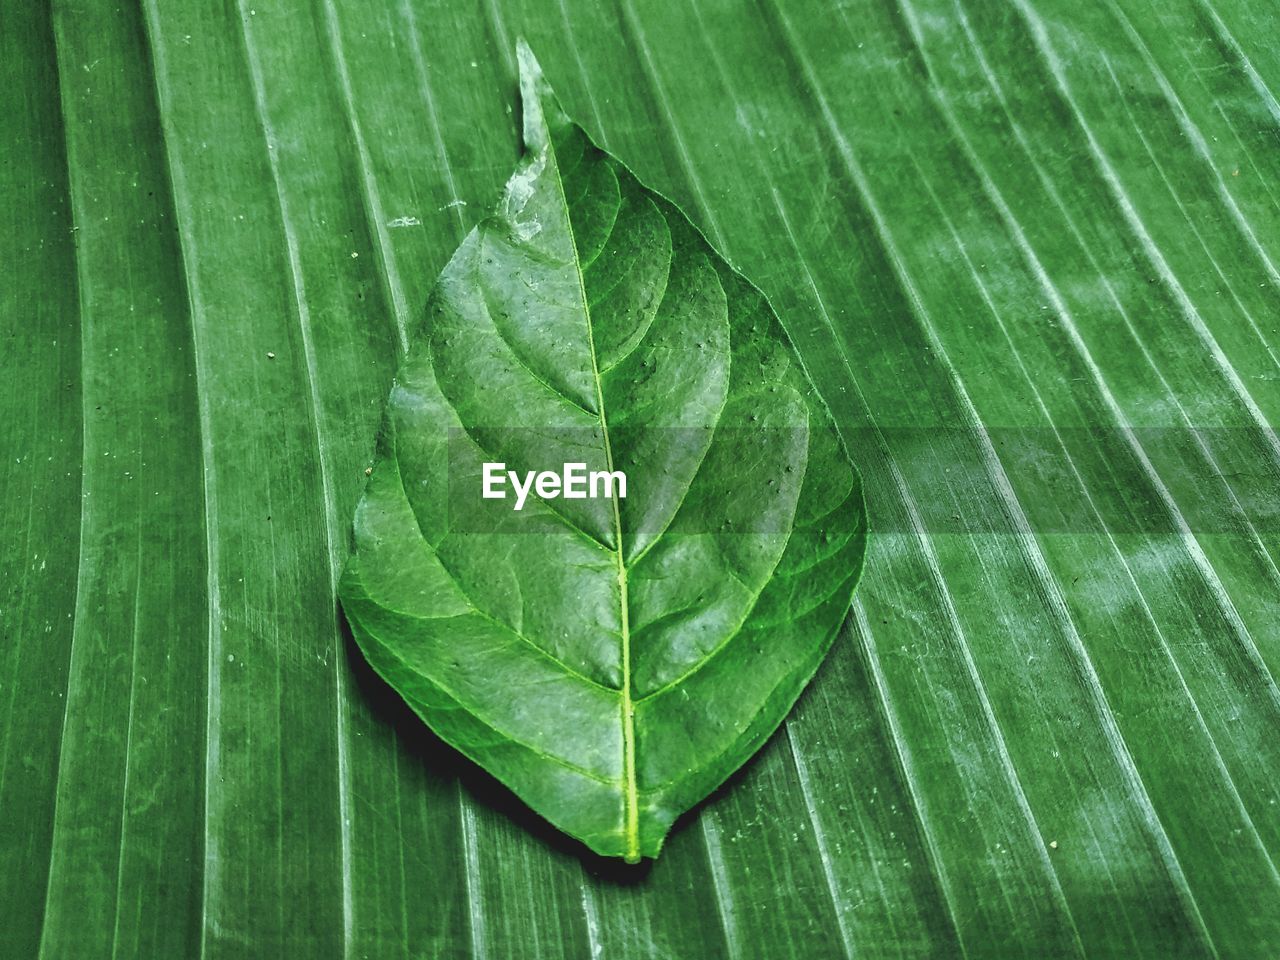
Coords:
611,659
1028,254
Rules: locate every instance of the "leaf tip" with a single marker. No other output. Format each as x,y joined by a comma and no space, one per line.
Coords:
532,88
528,63
538,102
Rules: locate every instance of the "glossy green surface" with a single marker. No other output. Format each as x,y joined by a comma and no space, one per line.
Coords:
611,659
1032,739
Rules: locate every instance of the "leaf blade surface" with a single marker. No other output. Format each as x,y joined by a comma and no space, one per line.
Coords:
616,665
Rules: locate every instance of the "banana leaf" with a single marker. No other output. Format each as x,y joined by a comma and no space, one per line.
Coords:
1027,252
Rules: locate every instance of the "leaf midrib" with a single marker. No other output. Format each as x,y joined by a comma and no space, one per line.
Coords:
630,789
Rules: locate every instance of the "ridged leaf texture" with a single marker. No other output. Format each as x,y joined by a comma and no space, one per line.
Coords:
1027,252
610,659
